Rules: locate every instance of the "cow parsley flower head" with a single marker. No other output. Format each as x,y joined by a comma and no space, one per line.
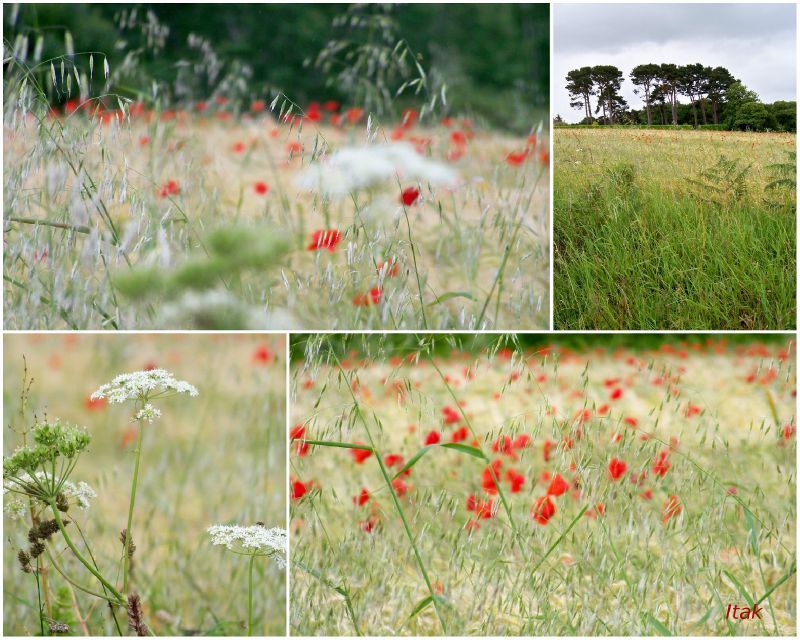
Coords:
142,385
148,412
353,168
79,494
256,539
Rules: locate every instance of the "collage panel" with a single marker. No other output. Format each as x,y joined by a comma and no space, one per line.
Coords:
144,485
675,162
353,166
542,485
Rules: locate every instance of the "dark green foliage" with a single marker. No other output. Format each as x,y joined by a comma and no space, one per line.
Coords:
753,116
489,55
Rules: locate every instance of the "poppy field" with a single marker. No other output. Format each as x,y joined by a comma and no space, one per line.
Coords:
279,217
673,229
182,462
507,485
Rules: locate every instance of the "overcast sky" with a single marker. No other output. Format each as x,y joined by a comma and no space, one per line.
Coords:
756,42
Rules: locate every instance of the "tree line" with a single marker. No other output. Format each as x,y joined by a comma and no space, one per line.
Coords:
714,95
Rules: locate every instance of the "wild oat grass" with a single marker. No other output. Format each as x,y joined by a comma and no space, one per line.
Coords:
219,457
673,230
87,203
701,512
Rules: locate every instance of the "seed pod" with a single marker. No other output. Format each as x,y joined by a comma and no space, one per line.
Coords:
37,549
58,627
61,502
135,616
24,561
131,545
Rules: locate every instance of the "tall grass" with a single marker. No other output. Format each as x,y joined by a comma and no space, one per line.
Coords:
662,549
672,230
179,210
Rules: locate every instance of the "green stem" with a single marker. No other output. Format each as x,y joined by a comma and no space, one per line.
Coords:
395,500
126,557
250,596
80,557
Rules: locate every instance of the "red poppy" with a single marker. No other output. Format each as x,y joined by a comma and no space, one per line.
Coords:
631,421
616,394
692,410
201,106
515,159
546,449
672,507
261,188
144,140
170,188
472,502
617,468
369,525
522,441
409,196
408,118
258,105
451,416
400,486
388,269
543,509
354,114
238,147
662,463
393,460
325,239
262,355
299,489
459,435
491,472
516,480
558,486
458,138
485,510
502,444
294,147
359,455
95,404
362,498
331,106
433,437
544,157
367,299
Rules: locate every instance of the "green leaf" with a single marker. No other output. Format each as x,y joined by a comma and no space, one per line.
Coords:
753,528
456,446
421,605
792,570
341,445
739,587
465,448
449,295
658,625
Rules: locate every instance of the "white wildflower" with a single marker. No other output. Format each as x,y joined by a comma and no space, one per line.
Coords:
148,412
80,494
272,542
142,384
353,168
15,508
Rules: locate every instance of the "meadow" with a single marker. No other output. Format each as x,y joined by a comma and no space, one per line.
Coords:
217,458
207,218
661,229
456,485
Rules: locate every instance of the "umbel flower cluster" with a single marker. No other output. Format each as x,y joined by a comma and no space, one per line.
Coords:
80,494
29,471
142,386
253,540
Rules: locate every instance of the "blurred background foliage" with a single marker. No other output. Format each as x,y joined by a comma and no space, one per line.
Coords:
492,58
442,344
